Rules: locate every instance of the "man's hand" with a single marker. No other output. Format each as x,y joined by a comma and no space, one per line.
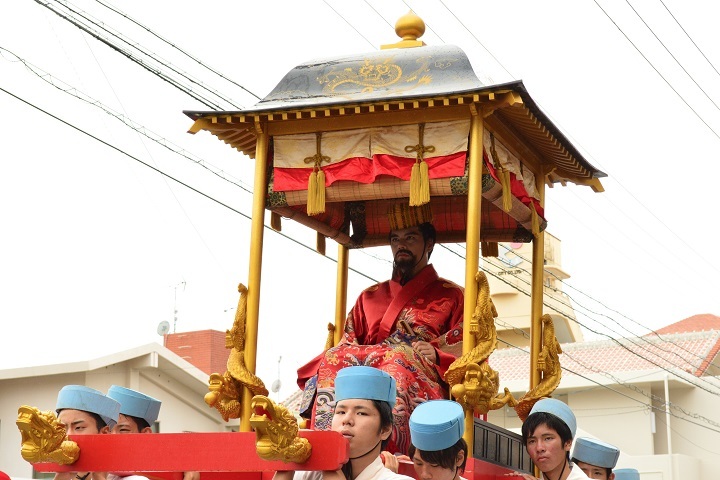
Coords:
426,350
191,476
390,461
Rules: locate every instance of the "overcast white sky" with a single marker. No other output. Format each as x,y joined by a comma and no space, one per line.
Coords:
97,249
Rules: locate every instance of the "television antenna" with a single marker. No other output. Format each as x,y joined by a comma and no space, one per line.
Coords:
175,310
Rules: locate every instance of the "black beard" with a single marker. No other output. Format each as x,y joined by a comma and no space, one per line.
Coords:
405,268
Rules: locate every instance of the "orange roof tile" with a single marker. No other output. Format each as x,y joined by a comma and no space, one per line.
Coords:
692,352
696,323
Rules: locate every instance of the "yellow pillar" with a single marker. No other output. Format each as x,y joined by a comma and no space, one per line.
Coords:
536,291
472,240
341,292
256,244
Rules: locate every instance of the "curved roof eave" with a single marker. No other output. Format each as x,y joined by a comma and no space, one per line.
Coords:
568,164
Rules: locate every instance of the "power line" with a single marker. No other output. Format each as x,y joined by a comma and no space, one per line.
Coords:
154,70
671,54
173,45
689,37
349,24
119,150
127,121
476,39
657,71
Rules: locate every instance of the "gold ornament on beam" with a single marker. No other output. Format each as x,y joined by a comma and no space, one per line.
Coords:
225,391
276,431
44,438
549,367
472,382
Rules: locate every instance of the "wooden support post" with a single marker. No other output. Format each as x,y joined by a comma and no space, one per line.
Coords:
341,292
536,291
256,246
472,240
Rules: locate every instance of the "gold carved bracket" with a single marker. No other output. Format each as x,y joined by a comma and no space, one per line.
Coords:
225,391
549,367
472,382
276,431
44,438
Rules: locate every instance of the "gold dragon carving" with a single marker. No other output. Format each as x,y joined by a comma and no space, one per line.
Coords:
44,438
549,367
225,391
472,382
276,431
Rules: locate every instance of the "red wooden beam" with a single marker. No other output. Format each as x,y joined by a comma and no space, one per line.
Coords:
197,452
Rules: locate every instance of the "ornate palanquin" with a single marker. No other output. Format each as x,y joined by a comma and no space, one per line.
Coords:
336,144
342,108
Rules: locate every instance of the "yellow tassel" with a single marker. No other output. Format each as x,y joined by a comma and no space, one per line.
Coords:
507,192
419,184
424,183
275,221
312,194
330,341
415,185
320,243
535,221
320,194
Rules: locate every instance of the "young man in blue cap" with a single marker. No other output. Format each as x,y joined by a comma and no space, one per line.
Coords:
138,412
85,411
437,449
595,458
627,474
547,434
363,415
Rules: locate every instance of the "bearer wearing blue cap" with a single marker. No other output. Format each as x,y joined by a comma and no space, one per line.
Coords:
437,449
137,410
363,415
627,474
547,434
595,458
85,411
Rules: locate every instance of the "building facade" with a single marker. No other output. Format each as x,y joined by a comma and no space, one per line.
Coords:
152,369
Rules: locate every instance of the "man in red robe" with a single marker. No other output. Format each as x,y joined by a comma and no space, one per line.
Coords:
409,326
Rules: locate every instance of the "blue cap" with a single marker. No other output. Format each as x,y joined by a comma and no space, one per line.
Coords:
559,409
595,452
436,425
626,474
78,397
135,404
366,383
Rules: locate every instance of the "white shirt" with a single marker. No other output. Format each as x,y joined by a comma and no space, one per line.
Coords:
576,473
375,471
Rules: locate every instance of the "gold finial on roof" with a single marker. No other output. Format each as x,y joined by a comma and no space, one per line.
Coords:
409,27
